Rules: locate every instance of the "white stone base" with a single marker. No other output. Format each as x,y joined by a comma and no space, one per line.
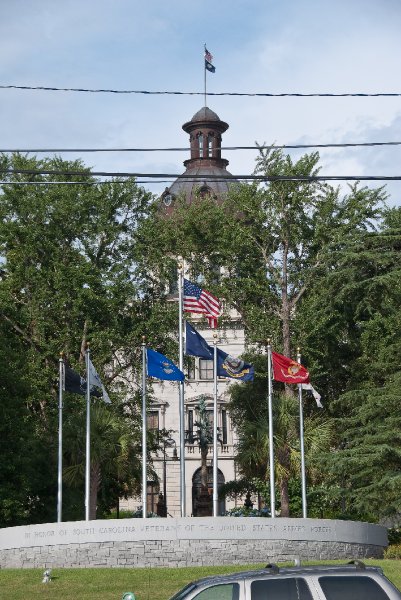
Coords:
187,542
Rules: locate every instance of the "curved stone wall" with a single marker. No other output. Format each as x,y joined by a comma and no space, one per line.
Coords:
187,542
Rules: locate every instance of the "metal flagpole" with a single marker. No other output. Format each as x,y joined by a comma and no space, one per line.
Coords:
271,445
144,424
215,457
301,440
88,432
181,389
204,68
60,440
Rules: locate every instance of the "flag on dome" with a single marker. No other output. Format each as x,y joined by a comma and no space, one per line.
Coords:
288,370
197,300
208,61
161,367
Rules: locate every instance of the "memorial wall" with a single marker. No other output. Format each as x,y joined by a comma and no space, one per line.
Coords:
187,541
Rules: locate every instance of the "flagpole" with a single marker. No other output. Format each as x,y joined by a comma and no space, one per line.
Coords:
181,388
271,445
301,440
88,429
204,68
144,424
60,440
215,457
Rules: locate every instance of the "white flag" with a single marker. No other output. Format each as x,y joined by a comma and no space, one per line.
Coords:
95,380
315,394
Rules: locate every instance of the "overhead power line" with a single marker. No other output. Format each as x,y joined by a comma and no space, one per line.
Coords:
201,177
148,92
187,149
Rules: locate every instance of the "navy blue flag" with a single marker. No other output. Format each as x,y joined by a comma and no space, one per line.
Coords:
195,345
161,367
227,366
236,368
75,384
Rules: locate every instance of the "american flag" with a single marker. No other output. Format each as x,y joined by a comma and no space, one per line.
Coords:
208,56
197,300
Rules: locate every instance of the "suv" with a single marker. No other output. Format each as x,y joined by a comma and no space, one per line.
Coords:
353,581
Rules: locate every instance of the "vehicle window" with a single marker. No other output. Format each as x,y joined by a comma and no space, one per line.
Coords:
352,588
281,589
226,591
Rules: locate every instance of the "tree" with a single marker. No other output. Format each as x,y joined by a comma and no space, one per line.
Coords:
273,243
115,454
68,277
366,467
249,413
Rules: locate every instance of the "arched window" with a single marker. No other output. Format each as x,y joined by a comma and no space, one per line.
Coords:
202,505
200,145
210,144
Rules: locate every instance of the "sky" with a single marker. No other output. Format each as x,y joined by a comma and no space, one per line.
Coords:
258,46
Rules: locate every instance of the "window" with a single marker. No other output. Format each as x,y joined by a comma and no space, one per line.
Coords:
227,591
209,417
152,496
351,587
277,589
152,420
210,144
190,367
224,427
205,369
190,427
173,280
200,145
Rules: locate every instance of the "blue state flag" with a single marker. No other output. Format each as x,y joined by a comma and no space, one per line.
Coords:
161,367
227,365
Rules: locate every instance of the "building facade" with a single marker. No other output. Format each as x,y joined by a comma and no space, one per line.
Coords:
205,175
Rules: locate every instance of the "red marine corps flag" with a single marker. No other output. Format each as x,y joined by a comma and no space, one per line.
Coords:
288,370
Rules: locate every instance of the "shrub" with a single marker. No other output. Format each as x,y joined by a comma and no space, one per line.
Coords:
393,551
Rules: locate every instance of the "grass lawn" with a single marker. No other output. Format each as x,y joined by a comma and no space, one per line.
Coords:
109,584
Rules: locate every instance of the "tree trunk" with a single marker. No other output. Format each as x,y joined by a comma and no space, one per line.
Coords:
95,480
285,306
204,452
285,499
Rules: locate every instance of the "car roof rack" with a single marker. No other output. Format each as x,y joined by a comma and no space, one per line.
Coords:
272,567
358,564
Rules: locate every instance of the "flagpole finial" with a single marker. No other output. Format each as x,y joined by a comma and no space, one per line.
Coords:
268,341
143,340
87,346
299,349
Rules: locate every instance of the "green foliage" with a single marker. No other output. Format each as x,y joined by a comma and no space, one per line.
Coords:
393,552
68,277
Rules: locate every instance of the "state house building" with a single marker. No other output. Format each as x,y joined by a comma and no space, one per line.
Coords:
163,496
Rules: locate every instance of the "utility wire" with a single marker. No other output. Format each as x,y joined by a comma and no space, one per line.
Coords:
187,149
147,92
209,177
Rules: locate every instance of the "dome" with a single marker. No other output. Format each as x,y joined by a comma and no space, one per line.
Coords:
205,114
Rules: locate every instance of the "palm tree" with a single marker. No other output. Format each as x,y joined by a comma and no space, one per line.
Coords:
115,452
253,447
